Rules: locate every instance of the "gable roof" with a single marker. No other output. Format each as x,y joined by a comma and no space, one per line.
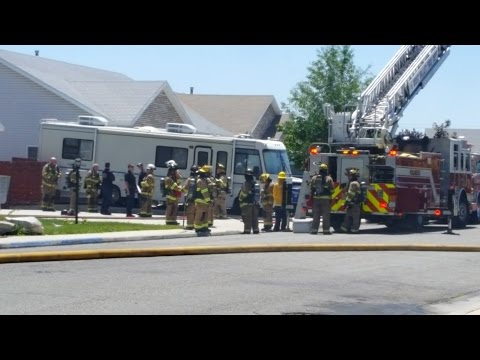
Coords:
109,94
238,114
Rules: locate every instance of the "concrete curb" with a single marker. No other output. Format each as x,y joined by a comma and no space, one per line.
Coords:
208,250
19,243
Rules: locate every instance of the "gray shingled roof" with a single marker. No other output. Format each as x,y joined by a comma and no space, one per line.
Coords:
471,135
235,113
110,94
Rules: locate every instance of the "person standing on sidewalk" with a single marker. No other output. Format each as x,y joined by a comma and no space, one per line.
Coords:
50,175
249,203
266,196
279,203
107,187
141,177
353,203
221,181
190,188
91,185
202,202
173,191
147,190
72,184
321,189
130,190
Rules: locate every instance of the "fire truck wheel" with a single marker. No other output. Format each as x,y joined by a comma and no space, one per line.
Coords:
474,219
460,221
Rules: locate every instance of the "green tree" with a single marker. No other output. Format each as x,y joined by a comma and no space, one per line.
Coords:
332,78
441,130
412,134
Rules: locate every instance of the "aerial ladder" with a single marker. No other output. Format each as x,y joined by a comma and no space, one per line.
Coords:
381,105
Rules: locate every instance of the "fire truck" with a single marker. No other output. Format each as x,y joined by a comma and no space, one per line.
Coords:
405,182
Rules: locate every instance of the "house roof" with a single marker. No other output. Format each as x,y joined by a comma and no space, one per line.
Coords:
110,94
236,113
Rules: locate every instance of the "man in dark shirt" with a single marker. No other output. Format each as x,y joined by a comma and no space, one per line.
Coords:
130,190
107,187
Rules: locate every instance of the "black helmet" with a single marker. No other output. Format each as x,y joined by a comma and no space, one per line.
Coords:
194,168
249,172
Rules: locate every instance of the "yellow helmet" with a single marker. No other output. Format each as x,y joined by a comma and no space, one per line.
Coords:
207,169
323,167
264,177
281,175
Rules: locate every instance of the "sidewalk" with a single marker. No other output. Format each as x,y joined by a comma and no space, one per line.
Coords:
230,226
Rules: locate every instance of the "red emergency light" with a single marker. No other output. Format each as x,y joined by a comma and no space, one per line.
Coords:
437,212
314,150
393,153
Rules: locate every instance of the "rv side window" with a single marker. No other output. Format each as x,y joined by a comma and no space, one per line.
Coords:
222,158
165,153
77,148
202,158
247,158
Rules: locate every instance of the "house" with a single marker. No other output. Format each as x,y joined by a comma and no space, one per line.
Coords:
34,88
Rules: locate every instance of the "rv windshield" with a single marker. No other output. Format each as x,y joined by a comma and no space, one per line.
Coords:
276,161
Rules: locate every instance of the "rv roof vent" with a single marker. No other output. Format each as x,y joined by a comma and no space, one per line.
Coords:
181,128
243,136
92,120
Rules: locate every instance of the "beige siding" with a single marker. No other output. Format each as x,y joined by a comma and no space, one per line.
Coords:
23,104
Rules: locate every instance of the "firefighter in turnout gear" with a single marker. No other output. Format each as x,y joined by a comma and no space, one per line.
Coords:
173,191
221,181
279,203
249,197
321,189
202,203
72,184
147,189
266,197
212,188
91,185
50,175
190,188
353,204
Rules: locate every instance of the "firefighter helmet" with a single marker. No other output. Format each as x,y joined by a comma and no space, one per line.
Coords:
264,177
207,169
151,167
194,168
249,172
221,166
323,167
281,175
171,164
353,172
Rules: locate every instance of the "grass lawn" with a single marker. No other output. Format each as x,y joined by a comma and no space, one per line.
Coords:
64,226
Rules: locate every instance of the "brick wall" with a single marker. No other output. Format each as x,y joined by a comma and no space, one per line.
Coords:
25,181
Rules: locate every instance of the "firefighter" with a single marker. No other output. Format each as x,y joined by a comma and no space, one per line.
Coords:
173,191
190,188
91,185
279,203
141,175
353,204
321,188
248,197
147,190
72,184
202,202
50,175
221,181
212,188
266,196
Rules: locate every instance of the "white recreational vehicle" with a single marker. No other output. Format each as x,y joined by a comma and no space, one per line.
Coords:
93,142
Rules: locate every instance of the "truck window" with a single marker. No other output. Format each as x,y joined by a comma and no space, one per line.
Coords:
77,148
165,153
246,159
222,158
381,174
276,161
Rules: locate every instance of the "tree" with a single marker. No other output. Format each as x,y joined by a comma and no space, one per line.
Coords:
331,79
440,130
412,134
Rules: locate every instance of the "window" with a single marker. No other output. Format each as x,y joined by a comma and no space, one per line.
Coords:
77,148
166,153
202,157
246,159
32,152
222,158
276,161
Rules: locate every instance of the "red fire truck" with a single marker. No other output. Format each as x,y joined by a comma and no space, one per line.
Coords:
405,182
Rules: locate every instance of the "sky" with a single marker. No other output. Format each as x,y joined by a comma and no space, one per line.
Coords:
452,93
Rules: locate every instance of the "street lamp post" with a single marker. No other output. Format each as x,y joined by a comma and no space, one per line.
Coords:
77,187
